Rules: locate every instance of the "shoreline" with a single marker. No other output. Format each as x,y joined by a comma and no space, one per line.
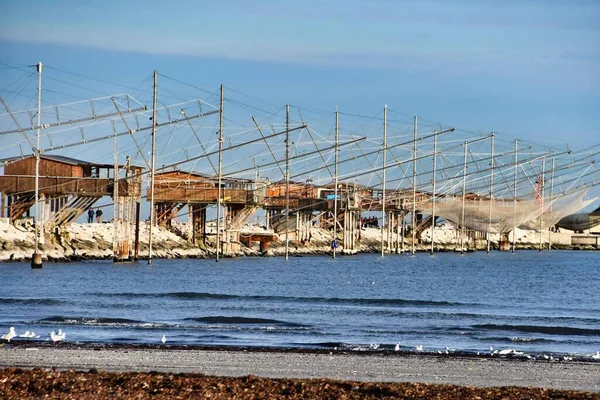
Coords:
479,372
277,250
83,242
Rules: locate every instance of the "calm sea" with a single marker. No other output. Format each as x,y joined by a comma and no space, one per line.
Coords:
546,302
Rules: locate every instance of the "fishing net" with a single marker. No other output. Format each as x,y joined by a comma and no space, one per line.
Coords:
527,214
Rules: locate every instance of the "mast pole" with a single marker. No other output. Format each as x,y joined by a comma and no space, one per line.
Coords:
464,187
435,144
116,216
220,174
36,260
541,191
491,197
551,203
152,167
383,183
335,192
514,235
414,208
287,180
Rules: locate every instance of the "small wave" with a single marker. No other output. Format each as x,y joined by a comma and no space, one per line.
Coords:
514,339
243,321
323,300
98,321
43,302
550,330
61,319
517,339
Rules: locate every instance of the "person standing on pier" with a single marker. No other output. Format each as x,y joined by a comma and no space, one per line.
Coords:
90,215
99,215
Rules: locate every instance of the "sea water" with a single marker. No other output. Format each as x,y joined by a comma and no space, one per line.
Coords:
535,302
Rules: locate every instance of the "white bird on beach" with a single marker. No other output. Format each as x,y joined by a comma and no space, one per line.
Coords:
30,335
163,339
397,348
506,352
57,337
419,347
596,356
10,334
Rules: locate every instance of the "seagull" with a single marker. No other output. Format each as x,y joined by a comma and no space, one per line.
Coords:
596,356
397,348
57,337
29,334
506,352
419,347
10,334
163,339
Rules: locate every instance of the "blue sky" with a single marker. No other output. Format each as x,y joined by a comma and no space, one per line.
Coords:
523,68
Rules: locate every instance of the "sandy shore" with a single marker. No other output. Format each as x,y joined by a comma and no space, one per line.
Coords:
465,371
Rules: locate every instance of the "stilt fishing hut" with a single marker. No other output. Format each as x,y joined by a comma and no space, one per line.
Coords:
68,187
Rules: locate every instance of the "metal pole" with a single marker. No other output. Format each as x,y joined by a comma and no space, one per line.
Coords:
464,187
491,196
383,183
515,196
551,202
335,191
435,143
152,215
220,174
287,180
414,210
116,216
541,191
36,260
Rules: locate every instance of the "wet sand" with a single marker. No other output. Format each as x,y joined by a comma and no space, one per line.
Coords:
473,372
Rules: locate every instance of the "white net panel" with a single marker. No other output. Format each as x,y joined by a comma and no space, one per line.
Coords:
527,215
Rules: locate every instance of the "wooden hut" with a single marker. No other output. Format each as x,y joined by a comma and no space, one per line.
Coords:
67,186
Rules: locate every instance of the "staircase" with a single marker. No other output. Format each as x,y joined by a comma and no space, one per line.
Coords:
242,217
426,223
73,210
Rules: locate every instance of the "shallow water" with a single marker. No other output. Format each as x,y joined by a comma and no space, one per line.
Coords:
546,302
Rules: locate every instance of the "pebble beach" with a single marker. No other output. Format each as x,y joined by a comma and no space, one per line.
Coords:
89,371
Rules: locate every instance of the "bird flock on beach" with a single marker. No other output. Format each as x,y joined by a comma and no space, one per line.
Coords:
60,335
52,336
